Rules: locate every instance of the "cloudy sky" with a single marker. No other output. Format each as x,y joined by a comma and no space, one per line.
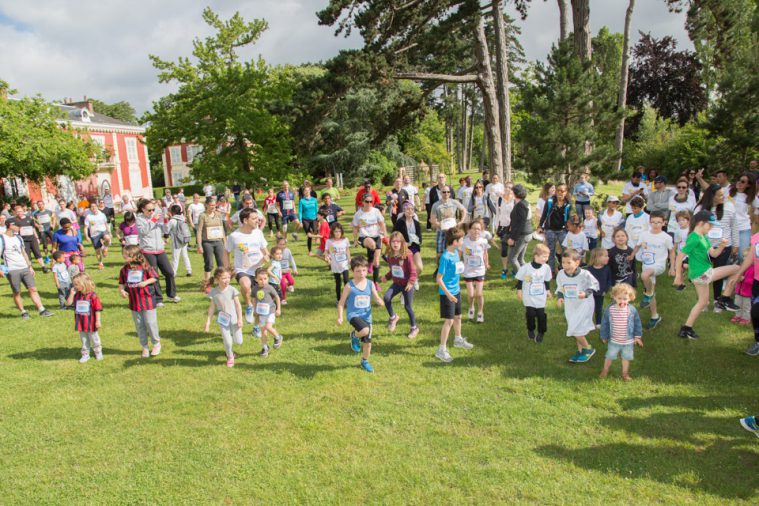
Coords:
99,48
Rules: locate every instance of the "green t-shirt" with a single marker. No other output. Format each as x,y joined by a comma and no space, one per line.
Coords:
332,192
697,248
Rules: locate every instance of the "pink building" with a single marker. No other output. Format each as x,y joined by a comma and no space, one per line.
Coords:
176,163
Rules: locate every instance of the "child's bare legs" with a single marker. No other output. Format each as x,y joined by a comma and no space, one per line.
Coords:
478,292
582,343
723,272
605,370
625,369
366,350
470,294
703,300
446,329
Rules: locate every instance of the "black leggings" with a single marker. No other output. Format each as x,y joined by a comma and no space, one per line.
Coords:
309,227
341,278
161,261
408,301
47,238
539,313
212,250
32,247
598,311
719,261
273,219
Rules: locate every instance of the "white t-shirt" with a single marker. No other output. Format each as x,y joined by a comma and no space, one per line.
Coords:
208,190
741,211
13,252
590,227
534,284
411,190
540,205
247,250
681,235
66,213
464,195
338,254
368,223
473,253
675,207
96,223
654,250
495,189
195,210
129,206
635,227
235,219
578,241
628,189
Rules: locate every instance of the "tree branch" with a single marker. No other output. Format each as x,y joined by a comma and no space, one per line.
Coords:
446,78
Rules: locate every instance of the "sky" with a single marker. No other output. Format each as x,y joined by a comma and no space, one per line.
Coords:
100,48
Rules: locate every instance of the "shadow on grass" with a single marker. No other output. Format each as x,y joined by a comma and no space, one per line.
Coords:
49,354
184,338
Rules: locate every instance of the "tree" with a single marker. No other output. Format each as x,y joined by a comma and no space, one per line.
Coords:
224,106
122,110
35,143
622,93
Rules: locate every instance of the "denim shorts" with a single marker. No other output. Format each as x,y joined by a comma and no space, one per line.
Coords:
615,350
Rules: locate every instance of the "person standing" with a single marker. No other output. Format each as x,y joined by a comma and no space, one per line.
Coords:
286,203
436,193
210,237
46,223
582,192
366,188
444,217
554,221
152,235
28,229
194,211
519,232
659,198
330,190
96,226
633,188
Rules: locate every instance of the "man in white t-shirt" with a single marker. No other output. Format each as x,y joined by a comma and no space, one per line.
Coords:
412,191
18,269
248,246
633,188
653,250
96,225
495,189
208,190
247,203
194,211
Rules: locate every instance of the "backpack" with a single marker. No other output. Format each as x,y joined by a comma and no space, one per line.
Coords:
182,233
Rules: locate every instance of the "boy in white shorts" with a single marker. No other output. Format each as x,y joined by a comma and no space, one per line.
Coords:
653,249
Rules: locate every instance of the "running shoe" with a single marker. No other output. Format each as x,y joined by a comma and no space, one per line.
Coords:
84,359
539,338
729,305
480,318
46,313
750,424
156,350
443,355
265,351
392,322
25,315
413,332
753,350
366,366
531,335
257,332
249,313
653,322
461,342
504,274
355,343
576,357
277,342
585,355
145,353
470,315
646,301
99,355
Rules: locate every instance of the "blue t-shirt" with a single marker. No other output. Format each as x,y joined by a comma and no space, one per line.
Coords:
583,187
66,243
450,267
359,302
308,208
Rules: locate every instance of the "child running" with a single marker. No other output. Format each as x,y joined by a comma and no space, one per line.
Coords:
267,309
338,256
574,290
275,272
288,266
743,297
403,274
533,288
621,329
681,237
62,278
450,268
653,250
622,260
598,267
476,264
590,227
637,222
136,280
87,309
226,299
357,296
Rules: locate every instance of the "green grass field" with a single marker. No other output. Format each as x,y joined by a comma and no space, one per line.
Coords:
508,422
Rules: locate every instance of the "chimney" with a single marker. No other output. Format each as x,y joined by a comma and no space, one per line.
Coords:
84,104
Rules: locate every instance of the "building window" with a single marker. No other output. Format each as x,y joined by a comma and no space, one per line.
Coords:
175,152
192,152
131,148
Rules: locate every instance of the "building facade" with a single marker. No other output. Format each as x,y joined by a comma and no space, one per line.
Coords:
176,163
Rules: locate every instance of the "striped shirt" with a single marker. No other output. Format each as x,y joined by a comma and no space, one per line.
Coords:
619,317
85,307
140,298
726,228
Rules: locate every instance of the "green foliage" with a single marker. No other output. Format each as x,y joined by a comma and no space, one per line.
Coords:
33,145
121,110
425,141
224,105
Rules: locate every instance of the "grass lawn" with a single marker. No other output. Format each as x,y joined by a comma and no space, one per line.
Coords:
507,422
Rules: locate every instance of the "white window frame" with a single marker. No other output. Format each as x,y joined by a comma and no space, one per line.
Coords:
131,149
175,154
192,151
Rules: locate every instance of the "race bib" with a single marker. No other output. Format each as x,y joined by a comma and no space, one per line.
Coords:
647,257
715,233
362,301
571,292
262,308
447,223
537,289
83,307
27,231
214,233
287,205
459,267
43,218
341,257
98,227
474,261
396,271
134,276
132,240
63,276
330,218
413,238
272,209
224,319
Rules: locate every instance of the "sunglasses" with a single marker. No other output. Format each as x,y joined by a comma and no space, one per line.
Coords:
682,187
150,210
445,191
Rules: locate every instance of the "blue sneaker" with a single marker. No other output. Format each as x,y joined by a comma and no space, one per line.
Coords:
257,332
366,366
653,322
646,301
750,424
504,274
585,355
355,343
576,357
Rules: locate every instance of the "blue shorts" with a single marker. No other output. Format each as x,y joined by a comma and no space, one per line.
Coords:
439,241
615,350
287,218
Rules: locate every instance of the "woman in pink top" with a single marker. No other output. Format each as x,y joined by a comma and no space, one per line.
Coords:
751,258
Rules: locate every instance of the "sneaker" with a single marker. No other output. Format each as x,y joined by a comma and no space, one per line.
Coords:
646,301
539,338
585,355
188,275
156,350
504,274
45,313
145,353
291,288
416,286
470,315
257,332
265,351
175,299
284,302
366,366
392,322
718,306
355,343
160,304
691,334
249,314
531,335
729,305
413,332
461,342
84,359
231,361
295,236
99,355
576,357
480,318
443,355
277,342
753,350
653,322
750,424
680,288
25,315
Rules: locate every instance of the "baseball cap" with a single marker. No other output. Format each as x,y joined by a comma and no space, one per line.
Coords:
660,179
705,216
612,198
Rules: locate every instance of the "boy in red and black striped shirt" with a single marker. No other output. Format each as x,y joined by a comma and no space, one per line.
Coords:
87,309
136,281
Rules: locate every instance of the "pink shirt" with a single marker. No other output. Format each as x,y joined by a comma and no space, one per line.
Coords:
755,253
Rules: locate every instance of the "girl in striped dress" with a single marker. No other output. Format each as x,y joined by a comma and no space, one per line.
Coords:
87,309
137,281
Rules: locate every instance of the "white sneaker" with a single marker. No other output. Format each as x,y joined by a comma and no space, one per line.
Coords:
471,313
416,285
481,318
461,342
249,314
443,355
84,359
99,356
291,288
175,299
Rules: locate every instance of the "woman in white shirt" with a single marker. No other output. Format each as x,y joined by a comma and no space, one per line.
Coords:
683,200
742,195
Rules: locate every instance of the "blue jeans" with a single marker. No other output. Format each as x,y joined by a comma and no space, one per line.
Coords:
744,243
580,208
552,237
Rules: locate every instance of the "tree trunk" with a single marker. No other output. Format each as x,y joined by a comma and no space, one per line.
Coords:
483,151
462,139
622,98
489,99
563,19
502,79
470,142
581,24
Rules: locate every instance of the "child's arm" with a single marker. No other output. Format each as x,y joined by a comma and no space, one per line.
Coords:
487,260
439,280
377,297
638,330
278,301
412,275
122,291
70,298
211,311
672,261
715,252
238,310
57,283
149,281
341,303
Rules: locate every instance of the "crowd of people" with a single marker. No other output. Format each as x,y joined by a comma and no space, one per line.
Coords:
695,229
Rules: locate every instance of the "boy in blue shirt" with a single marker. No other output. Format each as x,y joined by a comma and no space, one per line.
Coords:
357,295
449,270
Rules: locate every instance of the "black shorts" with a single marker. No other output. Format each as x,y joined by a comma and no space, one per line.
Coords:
414,248
448,309
359,323
377,241
241,275
475,279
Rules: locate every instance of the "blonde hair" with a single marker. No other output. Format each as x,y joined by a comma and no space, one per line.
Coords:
595,254
83,283
403,252
623,289
540,248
